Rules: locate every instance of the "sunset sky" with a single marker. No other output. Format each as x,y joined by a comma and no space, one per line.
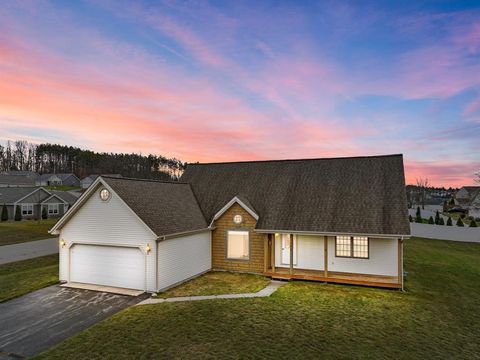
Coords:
246,80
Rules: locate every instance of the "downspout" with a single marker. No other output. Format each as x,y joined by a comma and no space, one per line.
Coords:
401,240
156,263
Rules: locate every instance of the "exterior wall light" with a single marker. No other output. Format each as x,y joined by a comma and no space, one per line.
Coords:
62,243
148,248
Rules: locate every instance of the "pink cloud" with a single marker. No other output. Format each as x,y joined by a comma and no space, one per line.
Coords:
452,173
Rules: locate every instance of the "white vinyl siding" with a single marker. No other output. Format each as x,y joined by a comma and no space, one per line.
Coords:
383,258
110,222
308,255
182,258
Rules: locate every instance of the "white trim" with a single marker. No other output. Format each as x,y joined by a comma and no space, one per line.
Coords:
263,231
83,198
53,206
27,204
183,233
229,204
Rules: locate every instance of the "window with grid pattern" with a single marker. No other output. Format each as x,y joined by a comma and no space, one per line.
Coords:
360,247
352,246
343,246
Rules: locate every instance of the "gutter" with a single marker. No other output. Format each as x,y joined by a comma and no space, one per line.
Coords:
183,233
263,231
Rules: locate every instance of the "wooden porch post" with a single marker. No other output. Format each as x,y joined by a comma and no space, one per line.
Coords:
325,256
272,236
400,262
291,254
265,253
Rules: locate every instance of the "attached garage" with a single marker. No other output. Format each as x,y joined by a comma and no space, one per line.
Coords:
116,266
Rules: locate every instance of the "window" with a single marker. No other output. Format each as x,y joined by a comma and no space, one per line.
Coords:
27,209
237,219
352,246
104,194
237,245
52,209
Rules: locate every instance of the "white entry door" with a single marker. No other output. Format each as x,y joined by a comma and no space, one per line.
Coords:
286,249
107,265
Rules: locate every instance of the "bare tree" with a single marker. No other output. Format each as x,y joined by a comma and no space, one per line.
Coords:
423,185
477,174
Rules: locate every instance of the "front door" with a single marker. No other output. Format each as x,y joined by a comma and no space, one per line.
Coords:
286,249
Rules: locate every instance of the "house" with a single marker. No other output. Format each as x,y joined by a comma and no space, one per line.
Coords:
58,180
31,201
88,180
339,220
17,180
468,198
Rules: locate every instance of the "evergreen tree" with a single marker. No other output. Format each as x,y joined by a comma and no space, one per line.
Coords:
4,213
473,223
431,221
437,218
418,217
44,213
460,222
410,218
449,221
441,221
18,213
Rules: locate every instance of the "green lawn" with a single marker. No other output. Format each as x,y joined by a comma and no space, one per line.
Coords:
14,232
219,282
22,277
438,317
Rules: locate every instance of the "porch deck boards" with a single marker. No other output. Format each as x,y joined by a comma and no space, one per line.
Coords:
336,277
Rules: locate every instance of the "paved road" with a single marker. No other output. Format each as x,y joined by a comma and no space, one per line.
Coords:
28,250
35,322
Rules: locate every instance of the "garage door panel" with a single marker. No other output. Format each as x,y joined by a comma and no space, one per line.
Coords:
107,265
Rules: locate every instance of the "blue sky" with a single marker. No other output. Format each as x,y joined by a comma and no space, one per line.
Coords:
222,81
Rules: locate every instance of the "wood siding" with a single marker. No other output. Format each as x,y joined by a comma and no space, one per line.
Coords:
255,263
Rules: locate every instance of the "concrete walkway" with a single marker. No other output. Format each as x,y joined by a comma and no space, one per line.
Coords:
266,292
28,250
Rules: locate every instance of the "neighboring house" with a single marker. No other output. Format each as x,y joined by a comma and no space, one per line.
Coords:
432,204
58,180
468,197
17,180
31,200
341,220
88,180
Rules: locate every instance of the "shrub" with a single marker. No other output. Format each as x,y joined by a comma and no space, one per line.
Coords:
44,213
437,218
18,213
431,221
418,213
441,221
410,218
4,213
449,221
470,218
460,222
462,216
473,223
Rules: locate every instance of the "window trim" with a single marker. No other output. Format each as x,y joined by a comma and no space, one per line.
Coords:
351,256
247,259
53,206
26,205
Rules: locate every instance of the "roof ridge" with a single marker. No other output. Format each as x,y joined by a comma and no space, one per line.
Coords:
304,159
146,180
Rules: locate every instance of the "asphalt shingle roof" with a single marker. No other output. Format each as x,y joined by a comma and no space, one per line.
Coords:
17,180
166,207
65,196
351,195
8,195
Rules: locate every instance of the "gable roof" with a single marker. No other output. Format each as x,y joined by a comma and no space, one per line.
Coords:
65,196
240,200
9,195
364,195
165,207
17,180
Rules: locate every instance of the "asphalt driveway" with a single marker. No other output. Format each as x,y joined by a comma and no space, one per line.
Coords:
35,322
28,250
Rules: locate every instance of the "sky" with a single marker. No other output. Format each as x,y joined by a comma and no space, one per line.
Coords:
248,80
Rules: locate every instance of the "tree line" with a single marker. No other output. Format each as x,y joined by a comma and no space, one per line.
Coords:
53,158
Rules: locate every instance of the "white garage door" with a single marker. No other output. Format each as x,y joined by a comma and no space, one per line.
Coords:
107,265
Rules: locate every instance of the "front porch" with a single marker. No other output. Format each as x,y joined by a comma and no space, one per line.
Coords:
290,268
335,277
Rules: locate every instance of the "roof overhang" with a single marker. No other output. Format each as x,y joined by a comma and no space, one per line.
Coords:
55,230
326,233
235,200
33,192
55,195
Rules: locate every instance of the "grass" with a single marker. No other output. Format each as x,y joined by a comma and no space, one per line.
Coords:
14,232
25,276
218,282
438,317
